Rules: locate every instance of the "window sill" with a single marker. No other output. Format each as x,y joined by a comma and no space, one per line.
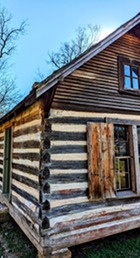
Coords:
130,92
125,194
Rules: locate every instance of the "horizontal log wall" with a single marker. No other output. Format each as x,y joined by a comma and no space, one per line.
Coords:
26,141
95,86
26,163
73,219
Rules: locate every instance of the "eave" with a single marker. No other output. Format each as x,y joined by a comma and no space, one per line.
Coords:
86,56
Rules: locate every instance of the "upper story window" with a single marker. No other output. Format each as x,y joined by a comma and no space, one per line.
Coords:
131,77
129,74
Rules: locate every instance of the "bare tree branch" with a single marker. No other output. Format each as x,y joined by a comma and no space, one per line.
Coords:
85,38
9,94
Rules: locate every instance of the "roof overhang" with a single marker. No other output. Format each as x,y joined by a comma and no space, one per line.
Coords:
87,55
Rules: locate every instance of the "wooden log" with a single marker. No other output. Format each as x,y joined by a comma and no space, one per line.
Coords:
30,156
66,136
26,144
61,178
65,194
68,149
28,118
26,195
26,181
75,208
27,130
122,121
75,120
27,169
94,232
26,210
68,164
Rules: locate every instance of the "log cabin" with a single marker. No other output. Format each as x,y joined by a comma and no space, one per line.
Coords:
70,151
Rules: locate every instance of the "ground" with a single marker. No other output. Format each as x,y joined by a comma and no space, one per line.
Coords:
14,244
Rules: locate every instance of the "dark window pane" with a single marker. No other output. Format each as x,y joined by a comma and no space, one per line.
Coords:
121,141
123,165
127,82
122,160
123,151
122,133
127,70
135,84
124,181
122,173
135,72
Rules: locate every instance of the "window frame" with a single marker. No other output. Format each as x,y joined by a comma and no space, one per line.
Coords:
122,61
133,124
7,174
134,156
128,157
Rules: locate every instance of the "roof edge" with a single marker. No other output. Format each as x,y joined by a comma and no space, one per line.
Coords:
87,55
26,102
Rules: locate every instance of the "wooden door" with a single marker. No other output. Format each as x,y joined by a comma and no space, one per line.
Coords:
7,161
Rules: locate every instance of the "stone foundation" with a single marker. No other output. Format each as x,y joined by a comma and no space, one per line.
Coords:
63,253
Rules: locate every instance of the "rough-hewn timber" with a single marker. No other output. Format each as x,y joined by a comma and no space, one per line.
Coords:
73,218
25,164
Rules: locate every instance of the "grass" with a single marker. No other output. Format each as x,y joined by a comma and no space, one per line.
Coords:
124,245
13,242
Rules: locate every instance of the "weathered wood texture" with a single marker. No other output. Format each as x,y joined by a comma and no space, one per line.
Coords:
101,170
94,223
72,218
26,138
95,86
49,157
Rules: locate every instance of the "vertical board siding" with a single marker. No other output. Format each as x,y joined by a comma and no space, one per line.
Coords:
95,84
101,170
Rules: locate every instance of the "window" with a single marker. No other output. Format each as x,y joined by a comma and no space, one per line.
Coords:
129,74
122,158
113,159
131,77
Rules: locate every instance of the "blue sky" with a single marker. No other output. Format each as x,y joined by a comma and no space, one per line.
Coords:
51,22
